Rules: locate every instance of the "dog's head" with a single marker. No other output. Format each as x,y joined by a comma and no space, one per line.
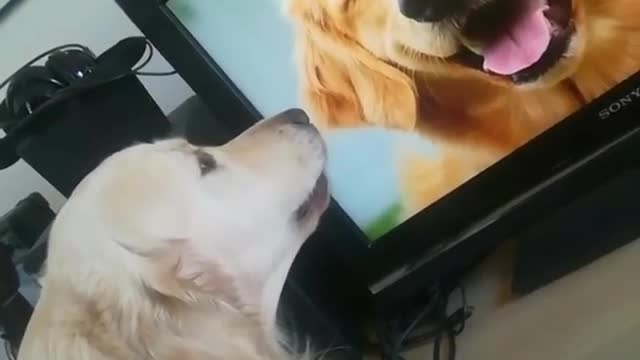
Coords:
360,56
171,220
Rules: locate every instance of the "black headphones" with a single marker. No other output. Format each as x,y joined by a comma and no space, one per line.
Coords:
33,86
68,71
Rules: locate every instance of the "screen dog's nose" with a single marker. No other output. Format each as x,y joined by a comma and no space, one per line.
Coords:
427,10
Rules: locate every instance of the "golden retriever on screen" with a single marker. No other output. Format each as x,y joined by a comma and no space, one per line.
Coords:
479,77
169,251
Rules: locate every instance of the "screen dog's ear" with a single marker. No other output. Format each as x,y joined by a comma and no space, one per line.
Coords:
344,85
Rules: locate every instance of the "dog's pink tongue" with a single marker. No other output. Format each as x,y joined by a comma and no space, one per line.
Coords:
521,46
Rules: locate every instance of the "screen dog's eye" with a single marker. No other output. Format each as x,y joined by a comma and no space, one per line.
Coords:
206,162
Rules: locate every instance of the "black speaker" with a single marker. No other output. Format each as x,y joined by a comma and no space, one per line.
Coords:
588,222
86,129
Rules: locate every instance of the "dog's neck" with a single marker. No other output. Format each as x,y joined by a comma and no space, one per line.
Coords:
112,308
506,117
145,324
124,305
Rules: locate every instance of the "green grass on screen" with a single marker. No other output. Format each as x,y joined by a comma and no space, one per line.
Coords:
388,220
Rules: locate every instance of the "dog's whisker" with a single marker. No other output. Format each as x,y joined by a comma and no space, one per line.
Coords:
328,351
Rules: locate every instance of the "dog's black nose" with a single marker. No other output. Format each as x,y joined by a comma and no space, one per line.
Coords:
295,116
429,10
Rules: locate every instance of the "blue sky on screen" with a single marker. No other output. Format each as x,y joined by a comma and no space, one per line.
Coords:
363,168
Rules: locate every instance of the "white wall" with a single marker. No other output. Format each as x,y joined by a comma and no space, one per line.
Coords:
37,25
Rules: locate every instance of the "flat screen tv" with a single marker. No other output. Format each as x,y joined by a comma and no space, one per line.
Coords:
444,119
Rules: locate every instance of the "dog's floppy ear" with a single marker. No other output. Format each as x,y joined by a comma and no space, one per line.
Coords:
344,85
181,273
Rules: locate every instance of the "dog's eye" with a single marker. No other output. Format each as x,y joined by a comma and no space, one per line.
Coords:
206,162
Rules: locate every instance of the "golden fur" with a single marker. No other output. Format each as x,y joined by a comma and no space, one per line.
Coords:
363,63
168,251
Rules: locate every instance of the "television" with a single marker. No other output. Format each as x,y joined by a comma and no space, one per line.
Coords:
239,57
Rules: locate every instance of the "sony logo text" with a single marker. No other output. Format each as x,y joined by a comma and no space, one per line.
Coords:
620,104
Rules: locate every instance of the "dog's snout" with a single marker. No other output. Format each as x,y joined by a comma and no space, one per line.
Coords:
429,10
295,116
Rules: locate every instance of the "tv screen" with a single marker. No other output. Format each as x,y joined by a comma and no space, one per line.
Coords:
416,97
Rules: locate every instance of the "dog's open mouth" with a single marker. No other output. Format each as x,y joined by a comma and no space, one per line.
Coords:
520,40
317,201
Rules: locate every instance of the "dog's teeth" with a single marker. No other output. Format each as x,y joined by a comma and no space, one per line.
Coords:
474,47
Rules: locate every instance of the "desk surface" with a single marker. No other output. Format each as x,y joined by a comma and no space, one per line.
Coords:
591,314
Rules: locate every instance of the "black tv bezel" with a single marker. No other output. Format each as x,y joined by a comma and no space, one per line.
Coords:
473,229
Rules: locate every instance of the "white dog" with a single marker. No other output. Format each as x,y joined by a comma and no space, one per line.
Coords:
170,251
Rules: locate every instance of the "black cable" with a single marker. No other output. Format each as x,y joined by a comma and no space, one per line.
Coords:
145,62
453,325
451,340
444,327
426,336
459,318
42,55
62,95
446,330
167,73
425,312
9,350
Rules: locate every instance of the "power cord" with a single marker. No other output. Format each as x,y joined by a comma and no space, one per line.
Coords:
145,62
10,352
431,324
